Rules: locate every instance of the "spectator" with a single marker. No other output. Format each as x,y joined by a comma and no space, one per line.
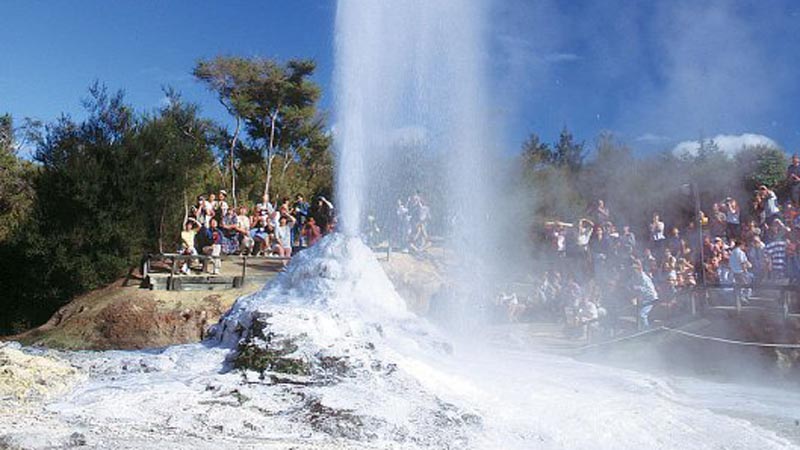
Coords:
209,241
324,214
657,231
311,232
261,233
793,179
758,258
283,237
770,203
739,266
645,291
204,211
718,226
776,251
402,228
188,236
601,212
300,209
222,205
230,232
628,240
732,219
674,243
246,242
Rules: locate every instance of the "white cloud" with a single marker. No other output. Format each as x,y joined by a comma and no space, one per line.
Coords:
729,144
650,137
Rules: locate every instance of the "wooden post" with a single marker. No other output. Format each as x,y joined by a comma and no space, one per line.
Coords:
174,265
737,291
638,313
785,301
693,299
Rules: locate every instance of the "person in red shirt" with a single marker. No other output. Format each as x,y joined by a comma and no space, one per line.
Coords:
311,232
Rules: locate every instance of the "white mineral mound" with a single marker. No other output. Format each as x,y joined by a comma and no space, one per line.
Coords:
338,276
326,356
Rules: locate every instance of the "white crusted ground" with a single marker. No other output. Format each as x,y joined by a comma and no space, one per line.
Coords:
378,378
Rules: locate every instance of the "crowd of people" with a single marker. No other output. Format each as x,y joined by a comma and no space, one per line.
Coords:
215,228
599,270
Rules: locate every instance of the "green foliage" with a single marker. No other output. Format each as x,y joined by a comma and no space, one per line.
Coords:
636,186
16,177
277,104
108,189
762,165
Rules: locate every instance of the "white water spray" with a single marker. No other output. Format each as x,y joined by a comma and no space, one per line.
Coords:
412,74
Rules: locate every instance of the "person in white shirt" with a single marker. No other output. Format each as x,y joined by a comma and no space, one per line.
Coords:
740,265
283,237
243,227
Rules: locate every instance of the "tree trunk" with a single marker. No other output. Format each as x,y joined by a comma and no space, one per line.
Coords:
270,153
232,160
185,210
286,162
161,230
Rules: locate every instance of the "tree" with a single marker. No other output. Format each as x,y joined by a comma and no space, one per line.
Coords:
536,153
762,164
277,103
16,177
229,78
568,153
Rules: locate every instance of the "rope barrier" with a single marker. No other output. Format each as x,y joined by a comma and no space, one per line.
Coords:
731,341
691,335
621,339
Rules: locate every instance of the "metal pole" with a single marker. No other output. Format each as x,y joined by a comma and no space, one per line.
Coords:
699,219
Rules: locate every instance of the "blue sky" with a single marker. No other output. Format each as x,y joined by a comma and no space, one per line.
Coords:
653,73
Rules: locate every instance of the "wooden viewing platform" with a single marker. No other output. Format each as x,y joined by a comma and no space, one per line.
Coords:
162,271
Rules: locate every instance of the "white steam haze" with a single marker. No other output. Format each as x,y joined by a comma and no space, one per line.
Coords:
727,144
375,375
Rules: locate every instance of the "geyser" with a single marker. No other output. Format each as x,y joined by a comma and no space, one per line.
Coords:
411,89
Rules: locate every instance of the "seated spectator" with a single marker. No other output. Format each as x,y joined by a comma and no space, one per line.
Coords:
230,232
588,318
261,232
283,237
243,232
209,242
187,242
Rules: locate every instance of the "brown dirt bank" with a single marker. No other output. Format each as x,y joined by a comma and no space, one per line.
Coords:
128,317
